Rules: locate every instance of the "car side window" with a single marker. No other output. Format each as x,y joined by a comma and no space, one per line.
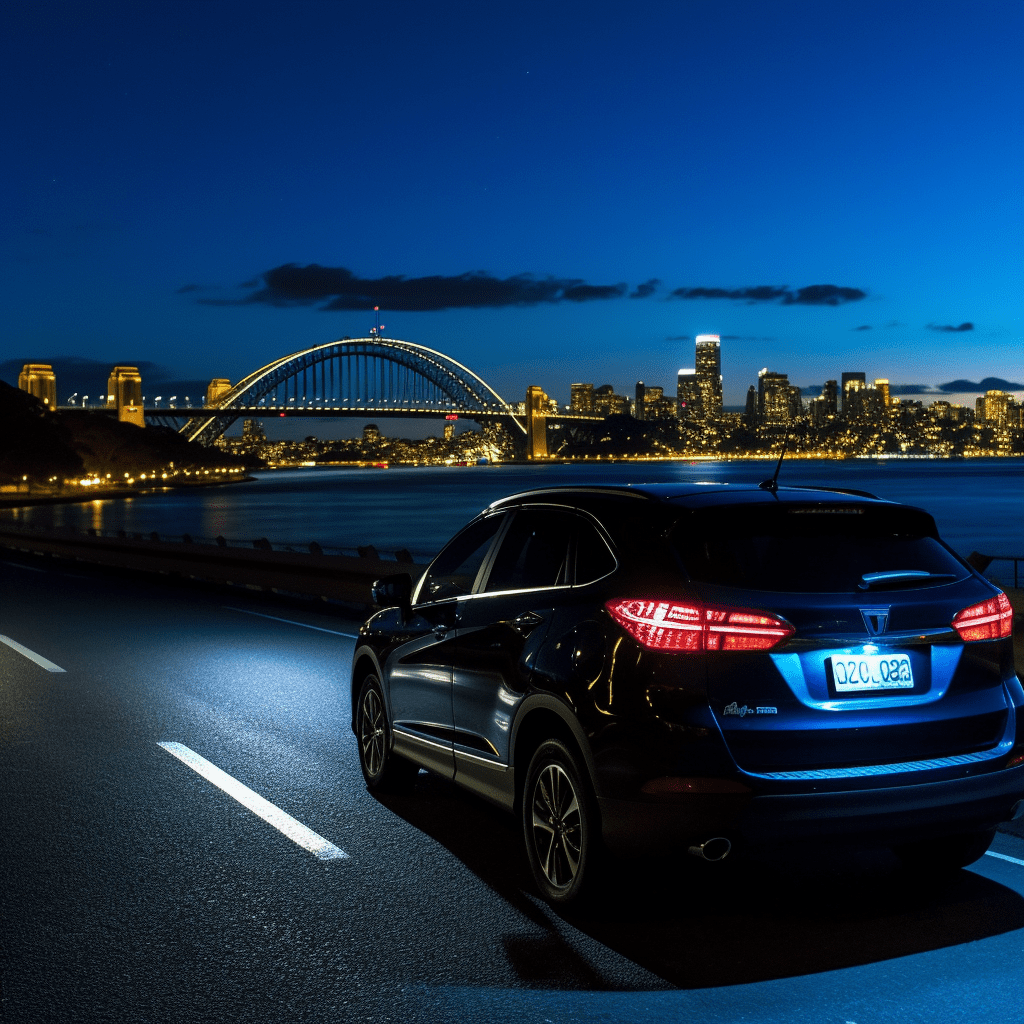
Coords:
454,571
534,552
593,559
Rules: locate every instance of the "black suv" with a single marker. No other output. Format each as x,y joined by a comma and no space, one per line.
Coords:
661,666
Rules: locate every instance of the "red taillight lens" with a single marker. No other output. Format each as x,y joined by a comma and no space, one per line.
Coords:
674,626
986,620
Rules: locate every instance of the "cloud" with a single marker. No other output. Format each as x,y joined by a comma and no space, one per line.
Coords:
760,293
186,288
824,295
863,327
810,295
949,328
337,288
644,290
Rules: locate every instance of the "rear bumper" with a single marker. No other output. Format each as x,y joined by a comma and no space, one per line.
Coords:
878,815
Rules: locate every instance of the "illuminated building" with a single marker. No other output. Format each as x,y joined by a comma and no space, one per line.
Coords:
796,402
39,380
709,373
217,387
253,429
124,393
371,432
817,411
581,398
608,403
638,404
774,399
828,392
689,396
999,407
656,405
850,380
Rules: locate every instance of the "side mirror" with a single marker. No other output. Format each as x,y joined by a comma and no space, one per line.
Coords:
394,591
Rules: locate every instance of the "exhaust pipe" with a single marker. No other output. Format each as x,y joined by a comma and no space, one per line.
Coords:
712,849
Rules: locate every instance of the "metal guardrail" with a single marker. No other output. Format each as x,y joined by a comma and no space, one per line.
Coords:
258,566
402,555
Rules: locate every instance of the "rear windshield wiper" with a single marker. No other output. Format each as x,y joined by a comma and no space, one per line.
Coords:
900,578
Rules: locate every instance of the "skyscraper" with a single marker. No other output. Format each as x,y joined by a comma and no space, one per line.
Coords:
581,397
709,373
689,396
773,398
828,392
847,379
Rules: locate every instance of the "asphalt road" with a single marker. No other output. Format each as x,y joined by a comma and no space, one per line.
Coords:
135,889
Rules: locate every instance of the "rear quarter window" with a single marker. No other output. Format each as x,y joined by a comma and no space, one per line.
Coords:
809,548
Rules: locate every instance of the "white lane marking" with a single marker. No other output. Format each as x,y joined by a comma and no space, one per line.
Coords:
27,568
291,622
281,820
1002,856
31,655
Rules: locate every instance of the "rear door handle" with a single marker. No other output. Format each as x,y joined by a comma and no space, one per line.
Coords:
527,622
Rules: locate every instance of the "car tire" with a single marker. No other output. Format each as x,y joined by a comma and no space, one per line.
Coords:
559,824
946,854
383,770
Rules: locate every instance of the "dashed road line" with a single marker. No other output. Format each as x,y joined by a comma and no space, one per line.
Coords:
291,622
273,815
1003,856
31,655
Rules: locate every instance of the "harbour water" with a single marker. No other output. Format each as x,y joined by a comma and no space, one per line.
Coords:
978,503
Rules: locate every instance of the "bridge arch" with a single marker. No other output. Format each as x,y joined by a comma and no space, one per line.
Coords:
384,375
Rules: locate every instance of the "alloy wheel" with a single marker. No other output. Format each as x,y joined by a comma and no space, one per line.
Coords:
556,826
372,732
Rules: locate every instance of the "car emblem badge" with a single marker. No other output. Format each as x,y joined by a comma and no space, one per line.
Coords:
875,619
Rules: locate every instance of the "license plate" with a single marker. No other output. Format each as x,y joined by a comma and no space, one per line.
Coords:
858,672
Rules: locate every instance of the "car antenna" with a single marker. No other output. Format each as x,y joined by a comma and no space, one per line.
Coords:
773,484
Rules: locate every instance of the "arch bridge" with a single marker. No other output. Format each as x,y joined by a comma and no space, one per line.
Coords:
357,376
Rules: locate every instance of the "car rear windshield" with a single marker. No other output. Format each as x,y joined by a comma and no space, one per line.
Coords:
814,548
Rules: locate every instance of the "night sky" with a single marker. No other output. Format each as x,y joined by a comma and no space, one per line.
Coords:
548,192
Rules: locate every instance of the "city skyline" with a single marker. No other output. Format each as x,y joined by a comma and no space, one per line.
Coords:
198,188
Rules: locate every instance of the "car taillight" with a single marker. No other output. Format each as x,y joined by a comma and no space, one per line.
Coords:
693,626
986,620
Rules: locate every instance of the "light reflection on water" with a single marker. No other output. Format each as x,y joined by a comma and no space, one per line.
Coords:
977,503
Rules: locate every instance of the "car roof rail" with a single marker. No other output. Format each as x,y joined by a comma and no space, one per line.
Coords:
623,491
834,490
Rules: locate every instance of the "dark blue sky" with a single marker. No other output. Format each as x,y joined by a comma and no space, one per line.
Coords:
163,160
